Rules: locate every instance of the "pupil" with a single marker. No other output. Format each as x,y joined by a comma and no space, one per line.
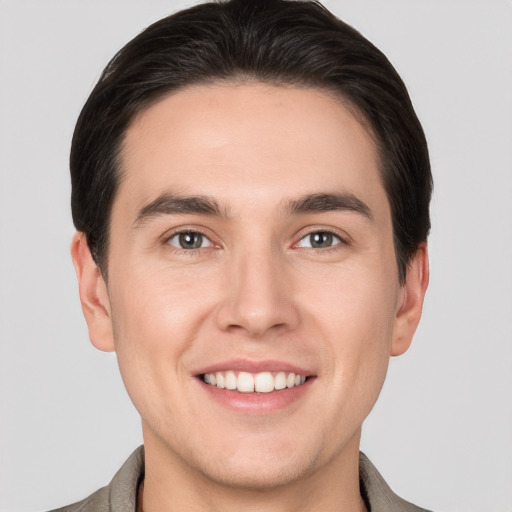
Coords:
321,240
191,240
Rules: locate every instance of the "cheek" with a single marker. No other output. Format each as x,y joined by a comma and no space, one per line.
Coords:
156,319
156,305
356,303
355,314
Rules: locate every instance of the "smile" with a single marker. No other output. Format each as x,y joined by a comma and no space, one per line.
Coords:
245,382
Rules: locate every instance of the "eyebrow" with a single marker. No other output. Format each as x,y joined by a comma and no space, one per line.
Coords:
173,204
325,202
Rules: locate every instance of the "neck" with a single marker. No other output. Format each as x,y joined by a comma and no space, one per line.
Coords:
172,485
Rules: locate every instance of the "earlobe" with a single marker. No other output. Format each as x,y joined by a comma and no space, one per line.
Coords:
93,295
413,292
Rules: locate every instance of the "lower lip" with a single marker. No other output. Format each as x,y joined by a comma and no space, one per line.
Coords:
257,403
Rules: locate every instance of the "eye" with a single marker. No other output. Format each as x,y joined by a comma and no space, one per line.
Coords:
189,240
319,240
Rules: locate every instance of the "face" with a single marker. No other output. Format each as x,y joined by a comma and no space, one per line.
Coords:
251,247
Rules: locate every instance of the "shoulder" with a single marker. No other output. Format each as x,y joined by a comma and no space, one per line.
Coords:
97,502
378,495
120,495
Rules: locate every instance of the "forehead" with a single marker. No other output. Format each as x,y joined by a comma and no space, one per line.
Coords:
247,144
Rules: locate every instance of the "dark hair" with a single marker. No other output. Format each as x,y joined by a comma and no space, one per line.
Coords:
275,41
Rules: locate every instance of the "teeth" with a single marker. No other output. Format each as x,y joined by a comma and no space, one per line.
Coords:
220,380
245,382
280,380
264,382
229,380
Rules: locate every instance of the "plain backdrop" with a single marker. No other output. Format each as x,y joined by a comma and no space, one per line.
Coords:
441,433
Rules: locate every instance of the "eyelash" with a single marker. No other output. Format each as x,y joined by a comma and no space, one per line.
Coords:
191,251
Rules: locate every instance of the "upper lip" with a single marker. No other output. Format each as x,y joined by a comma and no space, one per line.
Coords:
249,366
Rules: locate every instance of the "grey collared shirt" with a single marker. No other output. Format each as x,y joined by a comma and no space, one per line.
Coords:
121,494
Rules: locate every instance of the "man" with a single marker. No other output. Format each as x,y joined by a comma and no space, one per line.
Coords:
251,190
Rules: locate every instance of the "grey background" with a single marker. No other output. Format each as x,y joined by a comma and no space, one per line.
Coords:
442,431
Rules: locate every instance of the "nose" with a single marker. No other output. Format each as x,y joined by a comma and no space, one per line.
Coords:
257,299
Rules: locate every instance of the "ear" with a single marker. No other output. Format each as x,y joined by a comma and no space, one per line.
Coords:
412,294
93,295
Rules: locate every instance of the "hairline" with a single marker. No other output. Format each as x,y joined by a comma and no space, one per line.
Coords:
240,79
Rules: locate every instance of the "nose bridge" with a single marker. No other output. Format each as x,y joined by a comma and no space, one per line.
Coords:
256,298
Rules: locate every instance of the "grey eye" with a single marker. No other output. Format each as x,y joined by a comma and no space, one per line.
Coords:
189,240
319,240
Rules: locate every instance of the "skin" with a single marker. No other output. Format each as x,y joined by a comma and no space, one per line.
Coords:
256,290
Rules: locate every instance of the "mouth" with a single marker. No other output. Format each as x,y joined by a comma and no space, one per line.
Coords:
255,387
246,382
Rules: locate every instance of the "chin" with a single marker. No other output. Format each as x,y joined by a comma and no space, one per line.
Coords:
258,473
